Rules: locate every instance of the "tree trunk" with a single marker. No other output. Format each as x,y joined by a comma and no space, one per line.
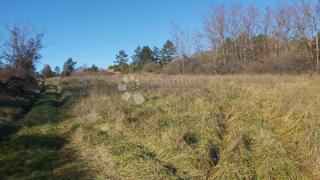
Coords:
317,51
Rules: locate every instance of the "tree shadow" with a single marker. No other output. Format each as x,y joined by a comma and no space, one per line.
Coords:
6,131
37,156
36,141
34,152
12,109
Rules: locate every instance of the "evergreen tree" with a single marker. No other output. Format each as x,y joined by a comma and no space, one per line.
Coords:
93,68
47,72
121,61
68,67
142,56
121,58
156,56
57,70
168,52
146,55
136,56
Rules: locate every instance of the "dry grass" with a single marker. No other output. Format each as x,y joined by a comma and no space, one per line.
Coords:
198,127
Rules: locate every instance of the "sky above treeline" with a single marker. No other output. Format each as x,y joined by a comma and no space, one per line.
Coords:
93,31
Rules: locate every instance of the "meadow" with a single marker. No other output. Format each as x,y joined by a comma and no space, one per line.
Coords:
186,127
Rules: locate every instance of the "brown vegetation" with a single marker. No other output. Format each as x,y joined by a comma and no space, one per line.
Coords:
244,39
215,127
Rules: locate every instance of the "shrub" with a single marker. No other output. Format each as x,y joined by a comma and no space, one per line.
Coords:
15,85
6,73
47,72
2,88
152,67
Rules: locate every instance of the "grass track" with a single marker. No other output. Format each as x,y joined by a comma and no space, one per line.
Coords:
37,150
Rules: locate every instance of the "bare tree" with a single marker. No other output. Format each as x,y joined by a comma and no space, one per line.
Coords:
283,27
250,23
22,51
302,30
311,9
215,26
266,27
182,40
235,31
242,34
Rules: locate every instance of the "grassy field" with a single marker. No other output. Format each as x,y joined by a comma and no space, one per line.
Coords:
184,127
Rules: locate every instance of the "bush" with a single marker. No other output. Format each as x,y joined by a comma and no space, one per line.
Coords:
6,73
175,67
15,86
230,68
152,67
3,88
286,63
47,72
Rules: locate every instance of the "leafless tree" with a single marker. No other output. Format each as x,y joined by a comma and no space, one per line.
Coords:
250,23
182,40
22,50
266,27
311,9
215,26
283,27
244,36
235,31
302,30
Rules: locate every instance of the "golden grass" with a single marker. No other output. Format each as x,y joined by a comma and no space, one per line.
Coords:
198,127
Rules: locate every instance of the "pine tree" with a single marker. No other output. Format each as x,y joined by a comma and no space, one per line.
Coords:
136,56
93,68
57,70
156,54
68,67
122,61
121,58
47,72
146,55
142,56
168,53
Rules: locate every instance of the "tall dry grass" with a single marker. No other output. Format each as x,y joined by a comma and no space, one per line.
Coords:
198,127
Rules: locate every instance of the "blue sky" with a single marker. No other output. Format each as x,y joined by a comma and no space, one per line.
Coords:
93,31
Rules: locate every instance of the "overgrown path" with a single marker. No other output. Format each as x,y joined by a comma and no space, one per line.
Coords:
37,150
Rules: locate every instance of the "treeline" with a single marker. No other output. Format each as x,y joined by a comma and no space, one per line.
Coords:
284,39
145,59
236,39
